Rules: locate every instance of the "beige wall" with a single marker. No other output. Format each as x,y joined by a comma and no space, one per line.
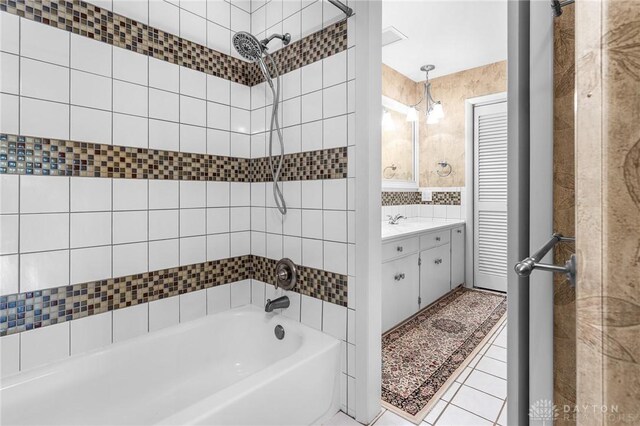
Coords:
445,140
608,209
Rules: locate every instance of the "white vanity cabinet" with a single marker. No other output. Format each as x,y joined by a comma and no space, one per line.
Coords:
400,285
418,270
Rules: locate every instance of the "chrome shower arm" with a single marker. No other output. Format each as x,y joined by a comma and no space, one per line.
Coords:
286,39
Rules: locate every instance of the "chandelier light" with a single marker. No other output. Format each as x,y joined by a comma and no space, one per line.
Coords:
433,110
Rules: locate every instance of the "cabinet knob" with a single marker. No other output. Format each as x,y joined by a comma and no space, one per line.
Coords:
399,248
438,261
437,238
459,231
399,277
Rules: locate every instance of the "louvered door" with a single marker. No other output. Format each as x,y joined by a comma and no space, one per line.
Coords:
490,196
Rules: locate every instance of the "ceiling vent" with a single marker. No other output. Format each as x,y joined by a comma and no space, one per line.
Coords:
391,35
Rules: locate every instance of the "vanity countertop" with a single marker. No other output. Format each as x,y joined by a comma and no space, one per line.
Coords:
416,225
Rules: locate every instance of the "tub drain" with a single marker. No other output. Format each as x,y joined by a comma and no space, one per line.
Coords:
279,331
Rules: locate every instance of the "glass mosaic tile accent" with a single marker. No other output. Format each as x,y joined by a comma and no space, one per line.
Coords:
54,157
94,22
26,311
438,198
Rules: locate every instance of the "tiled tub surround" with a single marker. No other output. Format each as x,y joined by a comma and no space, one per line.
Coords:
60,85
98,23
52,157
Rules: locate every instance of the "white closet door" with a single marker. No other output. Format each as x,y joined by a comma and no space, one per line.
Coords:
490,193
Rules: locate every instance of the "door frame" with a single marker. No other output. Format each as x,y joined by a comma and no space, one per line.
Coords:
469,178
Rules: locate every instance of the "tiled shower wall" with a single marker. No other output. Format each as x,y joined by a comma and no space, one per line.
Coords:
59,231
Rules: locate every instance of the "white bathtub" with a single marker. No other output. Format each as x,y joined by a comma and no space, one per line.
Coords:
224,369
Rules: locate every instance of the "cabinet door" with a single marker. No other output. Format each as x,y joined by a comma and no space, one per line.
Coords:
435,274
458,262
400,290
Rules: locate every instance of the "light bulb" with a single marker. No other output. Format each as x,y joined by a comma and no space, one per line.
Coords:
387,121
437,111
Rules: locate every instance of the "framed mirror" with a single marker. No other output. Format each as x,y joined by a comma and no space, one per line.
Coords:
399,147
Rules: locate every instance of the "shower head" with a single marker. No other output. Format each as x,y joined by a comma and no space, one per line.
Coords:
248,46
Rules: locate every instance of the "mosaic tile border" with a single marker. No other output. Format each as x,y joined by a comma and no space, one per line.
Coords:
94,22
55,157
439,198
30,310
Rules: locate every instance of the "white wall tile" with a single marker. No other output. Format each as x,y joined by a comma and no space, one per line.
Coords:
91,125
90,194
335,132
274,246
312,18
193,27
164,254
129,194
10,68
9,194
220,13
163,194
43,42
293,311
218,116
164,135
312,253
9,33
129,130
312,224
44,270
240,96
334,320
9,352
129,259
43,118
240,219
10,235
218,220
258,243
130,322
164,105
335,226
9,113
192,222
90,333
217,246
218,89
240,120
193,111
90,90
164,313
240,293
292,248
311,312
136,10
193,305
129,227
40,232
41,194
218,194
311,194
335,257
90,229
240,243
44,345
311,108
218,299
334,100
292,222
90,55
90,264
10,272
129,98
240,145
218,142
165,16
197,7
193,250
193,83
334,69
163,224
162,74
192,194
335,194
257,293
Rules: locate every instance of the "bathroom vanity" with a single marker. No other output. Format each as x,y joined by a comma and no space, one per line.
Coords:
422,260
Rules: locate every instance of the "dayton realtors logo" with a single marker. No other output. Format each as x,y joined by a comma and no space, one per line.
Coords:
543,410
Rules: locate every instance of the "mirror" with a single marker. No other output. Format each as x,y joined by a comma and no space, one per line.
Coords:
399,147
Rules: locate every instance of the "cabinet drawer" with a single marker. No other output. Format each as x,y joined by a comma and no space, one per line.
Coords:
434,239
399,248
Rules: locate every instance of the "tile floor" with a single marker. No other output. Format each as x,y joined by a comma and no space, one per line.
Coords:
476,398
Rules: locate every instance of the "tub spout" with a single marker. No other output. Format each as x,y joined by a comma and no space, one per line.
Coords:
280,302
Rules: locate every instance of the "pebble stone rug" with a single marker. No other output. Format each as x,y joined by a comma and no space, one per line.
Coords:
420,355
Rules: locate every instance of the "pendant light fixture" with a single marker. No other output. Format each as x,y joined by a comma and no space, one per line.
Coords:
434,111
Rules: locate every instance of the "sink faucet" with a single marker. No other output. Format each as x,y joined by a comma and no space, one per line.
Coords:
393,220
280,302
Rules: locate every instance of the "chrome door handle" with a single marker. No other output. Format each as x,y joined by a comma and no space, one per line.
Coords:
438,261
399,277
459,231
437,238
399,248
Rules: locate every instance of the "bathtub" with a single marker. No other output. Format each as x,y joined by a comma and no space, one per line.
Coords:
224,369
